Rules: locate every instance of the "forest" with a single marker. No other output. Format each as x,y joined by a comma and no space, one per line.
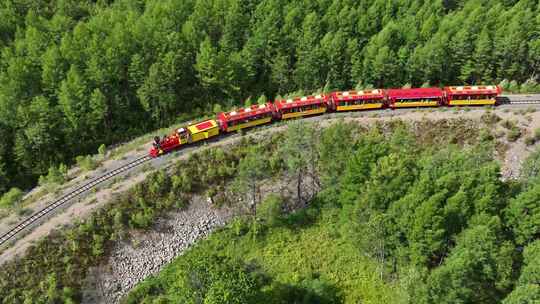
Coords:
409,213
402,216
77,74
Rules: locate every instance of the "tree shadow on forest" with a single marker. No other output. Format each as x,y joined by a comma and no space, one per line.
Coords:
312,291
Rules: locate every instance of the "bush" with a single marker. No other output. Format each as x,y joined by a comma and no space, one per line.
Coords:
537,134
509,124
490,118
513,134
529,141
102,150
54,176
87,163
24,211
10,198
262,99
270,210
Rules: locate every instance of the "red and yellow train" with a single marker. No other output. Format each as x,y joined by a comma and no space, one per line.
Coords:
255,115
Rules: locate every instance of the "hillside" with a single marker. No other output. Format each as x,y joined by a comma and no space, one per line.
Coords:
304,255
402,214
78,74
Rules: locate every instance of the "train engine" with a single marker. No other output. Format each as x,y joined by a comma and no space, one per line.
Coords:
184,135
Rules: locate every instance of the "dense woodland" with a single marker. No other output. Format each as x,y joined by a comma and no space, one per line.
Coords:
407,214
78,74
400,218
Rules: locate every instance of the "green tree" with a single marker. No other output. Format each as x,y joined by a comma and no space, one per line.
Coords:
73,98
251,172
523,215
310,57
10,198
300,155
470,273
527,289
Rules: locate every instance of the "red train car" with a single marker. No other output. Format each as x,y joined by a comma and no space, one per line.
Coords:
302,106
357,100
420,97
472,95
246,117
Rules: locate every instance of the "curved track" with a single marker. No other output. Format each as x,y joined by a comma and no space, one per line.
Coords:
503,100
64,199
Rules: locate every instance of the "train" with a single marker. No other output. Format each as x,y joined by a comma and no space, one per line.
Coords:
340,101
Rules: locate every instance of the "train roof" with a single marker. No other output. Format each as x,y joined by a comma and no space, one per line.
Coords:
469,90
355,95
415,93
202,126
300,101
243,113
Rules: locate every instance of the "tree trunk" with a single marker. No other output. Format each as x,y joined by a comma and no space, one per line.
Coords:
299,188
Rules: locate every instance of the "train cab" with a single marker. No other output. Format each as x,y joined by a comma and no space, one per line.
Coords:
184,135
472,95
165,144
301,106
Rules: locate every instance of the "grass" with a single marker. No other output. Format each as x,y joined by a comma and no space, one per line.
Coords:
291,253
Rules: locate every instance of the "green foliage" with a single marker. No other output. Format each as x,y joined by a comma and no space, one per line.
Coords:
252,170
262,99
270,210
529,141
56,175
527,290
299,153
68,253
11,198
208,279
80,74
513,134
524,215
530,169
87,163
102,150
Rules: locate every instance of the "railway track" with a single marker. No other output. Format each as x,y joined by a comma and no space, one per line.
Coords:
64,199
503,100
519,99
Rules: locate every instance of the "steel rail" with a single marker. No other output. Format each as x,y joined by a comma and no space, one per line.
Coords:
64,199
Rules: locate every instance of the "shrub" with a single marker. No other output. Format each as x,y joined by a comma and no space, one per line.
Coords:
490,118
537,134
270,210
529,141
24,211
513,134
262,99
485,135
102,150
509,124
54,176
217,108
10,198
87,163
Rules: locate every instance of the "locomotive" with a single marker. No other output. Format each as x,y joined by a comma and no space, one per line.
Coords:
341,101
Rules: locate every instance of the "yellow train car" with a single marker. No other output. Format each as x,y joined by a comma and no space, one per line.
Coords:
202,130
246,117
472,95
412,98
357,100
300,107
